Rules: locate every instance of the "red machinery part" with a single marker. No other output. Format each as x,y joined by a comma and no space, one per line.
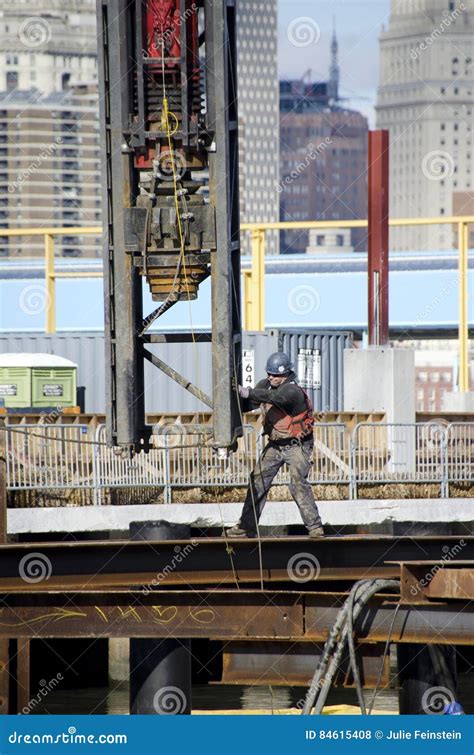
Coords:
163,27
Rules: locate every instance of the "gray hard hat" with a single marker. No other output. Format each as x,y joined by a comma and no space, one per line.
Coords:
278,363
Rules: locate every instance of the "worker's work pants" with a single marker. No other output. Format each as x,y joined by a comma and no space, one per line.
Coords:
299,457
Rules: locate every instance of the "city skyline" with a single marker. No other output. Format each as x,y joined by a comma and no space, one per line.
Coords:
304,36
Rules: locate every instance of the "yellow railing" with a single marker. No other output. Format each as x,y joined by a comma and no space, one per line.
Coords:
50,274
254,278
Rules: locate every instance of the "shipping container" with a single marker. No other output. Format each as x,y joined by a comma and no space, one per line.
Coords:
194,360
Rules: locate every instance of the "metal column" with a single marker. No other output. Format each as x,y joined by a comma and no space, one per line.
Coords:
378,180
122,283
221,84
160,669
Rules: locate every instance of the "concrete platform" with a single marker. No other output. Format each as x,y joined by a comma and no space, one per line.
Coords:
335,513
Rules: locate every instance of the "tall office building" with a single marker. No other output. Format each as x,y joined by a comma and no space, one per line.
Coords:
49,130
425,99
47,44
50,169
257,49
323,163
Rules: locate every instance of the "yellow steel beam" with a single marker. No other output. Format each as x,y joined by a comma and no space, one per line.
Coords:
254,284
258,280
85,274
73,231
463,245
310,224
254,279
50,284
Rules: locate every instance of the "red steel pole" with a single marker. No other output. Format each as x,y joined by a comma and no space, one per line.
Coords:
378,237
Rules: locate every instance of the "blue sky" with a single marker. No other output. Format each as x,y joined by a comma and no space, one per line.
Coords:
358,25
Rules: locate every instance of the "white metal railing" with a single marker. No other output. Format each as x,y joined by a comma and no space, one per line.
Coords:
70,457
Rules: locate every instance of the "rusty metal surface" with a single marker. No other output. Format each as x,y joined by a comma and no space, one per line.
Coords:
227,614
103,565
4,676
433,623
284,664
378,213
166,615
422,581
23,674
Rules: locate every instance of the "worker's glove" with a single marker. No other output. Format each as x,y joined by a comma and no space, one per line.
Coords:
244,392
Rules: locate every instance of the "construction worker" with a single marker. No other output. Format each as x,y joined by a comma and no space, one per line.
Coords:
288,422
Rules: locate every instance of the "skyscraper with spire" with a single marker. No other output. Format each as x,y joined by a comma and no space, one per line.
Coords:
323,160
425,99
333,83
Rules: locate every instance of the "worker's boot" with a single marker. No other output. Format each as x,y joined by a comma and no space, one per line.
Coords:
316,532
237,531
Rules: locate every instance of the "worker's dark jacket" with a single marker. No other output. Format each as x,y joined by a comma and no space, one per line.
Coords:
279,404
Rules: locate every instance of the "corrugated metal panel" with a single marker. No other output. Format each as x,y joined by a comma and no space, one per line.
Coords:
161,393
318,357
194,361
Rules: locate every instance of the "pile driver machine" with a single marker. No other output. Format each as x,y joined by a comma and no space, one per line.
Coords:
169,145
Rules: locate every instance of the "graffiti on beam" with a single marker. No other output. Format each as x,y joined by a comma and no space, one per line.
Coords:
159,615
58,614
164,614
